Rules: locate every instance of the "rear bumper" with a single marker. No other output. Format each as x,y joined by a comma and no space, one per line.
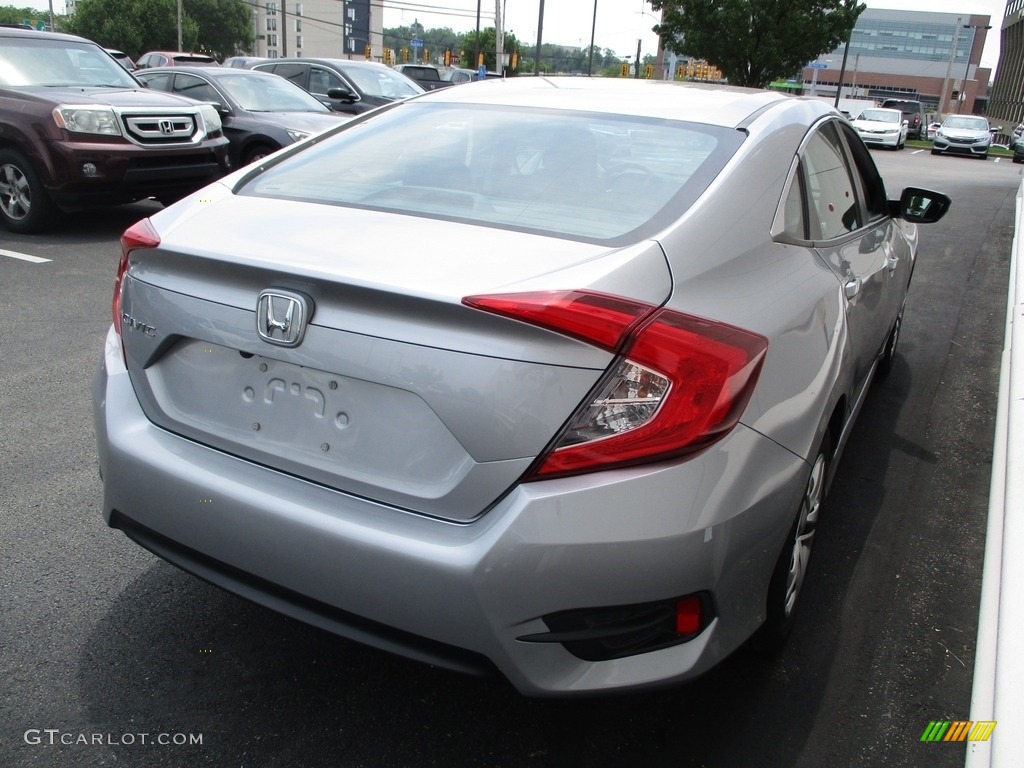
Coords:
462,595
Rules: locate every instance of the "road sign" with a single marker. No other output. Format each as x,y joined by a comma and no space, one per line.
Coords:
818,65
416,42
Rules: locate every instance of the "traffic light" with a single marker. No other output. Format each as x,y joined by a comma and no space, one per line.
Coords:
625,70
515,59
426,55
680,72
405,55
368,52
649,71
447,57
387,56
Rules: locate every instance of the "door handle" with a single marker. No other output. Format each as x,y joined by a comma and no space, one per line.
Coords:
852,287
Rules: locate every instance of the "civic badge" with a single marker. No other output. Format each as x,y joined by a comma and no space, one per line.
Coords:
282,316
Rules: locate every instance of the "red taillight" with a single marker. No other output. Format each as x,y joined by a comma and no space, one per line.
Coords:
681,383
141,234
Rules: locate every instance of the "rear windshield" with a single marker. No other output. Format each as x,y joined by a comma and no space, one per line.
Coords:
56,62
594,177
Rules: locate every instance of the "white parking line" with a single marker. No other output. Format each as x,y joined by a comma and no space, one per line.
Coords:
23,256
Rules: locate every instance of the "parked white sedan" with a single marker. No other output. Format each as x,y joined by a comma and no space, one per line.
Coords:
884,127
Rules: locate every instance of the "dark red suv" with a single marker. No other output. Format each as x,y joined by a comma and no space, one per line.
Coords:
77,130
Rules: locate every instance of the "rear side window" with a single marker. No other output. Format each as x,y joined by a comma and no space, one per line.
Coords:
591,177
833,199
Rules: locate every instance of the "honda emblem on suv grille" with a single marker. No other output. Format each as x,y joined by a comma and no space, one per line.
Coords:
281,317
166,127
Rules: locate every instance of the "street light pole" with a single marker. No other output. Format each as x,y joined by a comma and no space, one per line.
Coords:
967,67
593,29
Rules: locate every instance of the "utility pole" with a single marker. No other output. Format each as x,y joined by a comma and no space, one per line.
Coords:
499,34
593,29
949,68
540,36
284,28
636,74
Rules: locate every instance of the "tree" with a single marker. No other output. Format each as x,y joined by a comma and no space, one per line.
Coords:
12,15
489,47
756,41
225,26
137,26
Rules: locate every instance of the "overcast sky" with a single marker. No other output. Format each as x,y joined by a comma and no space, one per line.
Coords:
620,23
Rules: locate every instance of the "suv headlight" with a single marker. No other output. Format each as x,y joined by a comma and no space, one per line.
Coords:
298,135
211,117
87,119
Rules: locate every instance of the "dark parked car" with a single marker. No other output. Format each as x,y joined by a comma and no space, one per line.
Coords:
76,130
913,113
346,86
175,59
261,112
427,76
540,377
122,58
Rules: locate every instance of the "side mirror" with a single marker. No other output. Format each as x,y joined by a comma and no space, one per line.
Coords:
921,206
342,94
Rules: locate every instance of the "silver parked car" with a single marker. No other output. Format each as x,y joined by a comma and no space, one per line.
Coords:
539,376
963,134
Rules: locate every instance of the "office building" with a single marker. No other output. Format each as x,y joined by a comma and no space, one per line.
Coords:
934,58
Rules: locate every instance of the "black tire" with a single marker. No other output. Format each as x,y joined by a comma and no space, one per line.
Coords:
257,152
888,357
984,157
790,572
935,151
25,206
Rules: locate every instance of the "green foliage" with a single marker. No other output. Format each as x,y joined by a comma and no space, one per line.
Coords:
756,41
11,15
488,47
137,26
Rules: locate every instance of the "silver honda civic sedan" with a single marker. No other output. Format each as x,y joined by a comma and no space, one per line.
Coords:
540,376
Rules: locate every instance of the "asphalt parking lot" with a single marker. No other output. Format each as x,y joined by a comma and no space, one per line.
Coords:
112,657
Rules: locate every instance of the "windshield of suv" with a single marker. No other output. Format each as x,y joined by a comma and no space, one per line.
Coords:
55,62
382,82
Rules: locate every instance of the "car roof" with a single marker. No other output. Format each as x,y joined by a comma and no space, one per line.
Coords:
358,63
726,106
19,32
201,71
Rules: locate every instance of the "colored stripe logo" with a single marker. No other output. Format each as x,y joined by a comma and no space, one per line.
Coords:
958,730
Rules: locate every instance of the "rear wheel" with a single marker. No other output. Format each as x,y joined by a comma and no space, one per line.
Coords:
790,572
24,205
